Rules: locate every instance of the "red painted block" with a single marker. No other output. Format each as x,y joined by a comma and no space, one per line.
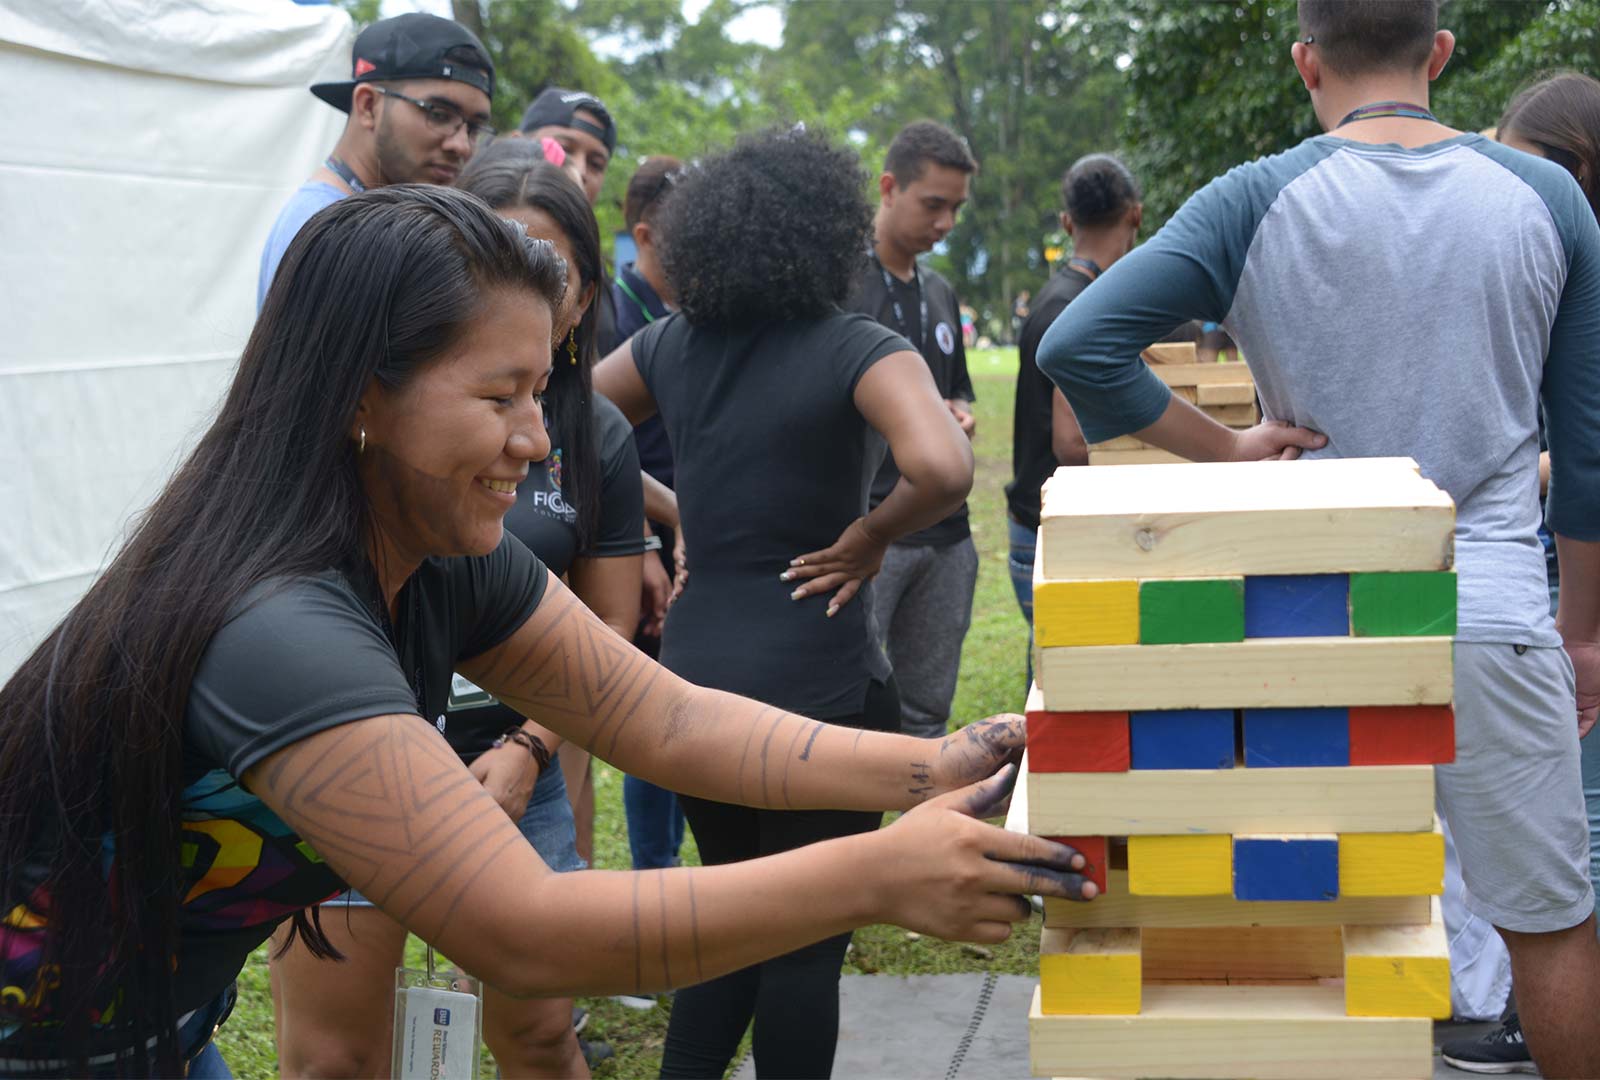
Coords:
1077,742
1403,735
1093,850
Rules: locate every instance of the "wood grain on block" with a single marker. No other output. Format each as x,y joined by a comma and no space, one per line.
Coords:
1297,605
1403,735
1244,952
1187,393
1392,864
1121,442
1224,519
1149,455
1286,868
1397,970
1090,972
1185,1031
1234,416
1095,854
1171,352
1289,738
1251,674
1177,611
1400,604
1075,742
1228,393
1386,798
1122,908
1180,865
1181,739
1197,374
1085,612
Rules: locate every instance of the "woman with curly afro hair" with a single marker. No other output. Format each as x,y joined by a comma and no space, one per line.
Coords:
778,404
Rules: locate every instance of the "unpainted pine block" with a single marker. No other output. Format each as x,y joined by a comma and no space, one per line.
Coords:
1181,739
1414,604
1397,970
1075,742
1180,865
1190,376
1121,907
1121,442
1095,856
1084,612
1231,393
1090,972
1297,605
1171,352
1392,864
1234,416
1243,952
1179,610
1286,868
1148,455
1187,393
1296,738
1402,735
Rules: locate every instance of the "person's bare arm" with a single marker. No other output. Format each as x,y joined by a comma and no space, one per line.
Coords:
1186,431
1066,437
660,502
392,810
1578,620
618,378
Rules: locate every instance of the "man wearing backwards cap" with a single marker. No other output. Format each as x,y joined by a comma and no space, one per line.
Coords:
418,99
583,127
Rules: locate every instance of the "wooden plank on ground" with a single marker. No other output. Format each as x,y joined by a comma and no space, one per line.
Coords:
1289,1032
1384,798
1119,907
1242,392
1224,519
1251,674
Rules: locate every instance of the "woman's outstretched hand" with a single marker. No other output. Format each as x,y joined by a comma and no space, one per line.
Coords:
956,877
852,559
974,753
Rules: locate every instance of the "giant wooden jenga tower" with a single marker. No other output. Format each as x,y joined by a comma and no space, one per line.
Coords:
1243,686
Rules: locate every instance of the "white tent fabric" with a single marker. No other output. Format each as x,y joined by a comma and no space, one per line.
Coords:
140,171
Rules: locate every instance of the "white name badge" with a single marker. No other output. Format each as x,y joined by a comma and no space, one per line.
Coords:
438,1025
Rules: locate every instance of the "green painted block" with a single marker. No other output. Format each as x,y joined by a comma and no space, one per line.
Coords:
1421,604
1181,612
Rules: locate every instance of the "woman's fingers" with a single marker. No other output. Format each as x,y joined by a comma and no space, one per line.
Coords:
846,593
819,585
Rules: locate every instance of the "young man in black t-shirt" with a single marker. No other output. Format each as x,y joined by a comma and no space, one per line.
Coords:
923,595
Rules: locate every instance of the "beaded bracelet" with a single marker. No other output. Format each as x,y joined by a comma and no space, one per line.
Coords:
534,745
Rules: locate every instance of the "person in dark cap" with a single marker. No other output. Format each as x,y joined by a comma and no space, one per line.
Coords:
582,125
418,98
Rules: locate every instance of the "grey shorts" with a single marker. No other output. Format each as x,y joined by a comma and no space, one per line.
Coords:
1514,796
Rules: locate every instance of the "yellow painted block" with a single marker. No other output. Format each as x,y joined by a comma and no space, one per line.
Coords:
1397,970
1392,864
1180,865
1089,972
1086,612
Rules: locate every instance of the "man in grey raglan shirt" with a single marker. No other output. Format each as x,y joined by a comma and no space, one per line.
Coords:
1404,289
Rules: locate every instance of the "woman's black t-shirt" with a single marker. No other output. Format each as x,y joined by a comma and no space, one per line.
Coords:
773,460
299,656
1033,456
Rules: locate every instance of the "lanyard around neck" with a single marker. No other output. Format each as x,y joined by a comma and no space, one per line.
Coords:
337,167
1087,267
899,313
1379,110
643,309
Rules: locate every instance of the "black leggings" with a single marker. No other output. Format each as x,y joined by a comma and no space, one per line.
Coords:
794,998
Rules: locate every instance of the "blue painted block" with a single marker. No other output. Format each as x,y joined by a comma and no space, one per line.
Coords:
1297,605
1276,738
1286,868
1181,739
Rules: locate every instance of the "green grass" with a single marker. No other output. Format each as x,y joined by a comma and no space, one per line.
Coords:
992,667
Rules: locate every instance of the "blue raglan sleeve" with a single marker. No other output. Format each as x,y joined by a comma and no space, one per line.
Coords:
1571,391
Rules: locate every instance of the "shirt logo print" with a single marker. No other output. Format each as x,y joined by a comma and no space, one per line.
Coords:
945,337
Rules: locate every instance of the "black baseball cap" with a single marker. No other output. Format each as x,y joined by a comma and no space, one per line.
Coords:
556,107
412,46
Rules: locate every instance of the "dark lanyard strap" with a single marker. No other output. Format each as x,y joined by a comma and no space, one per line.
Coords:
643,310
1087,267
1381,109
894,301
337,167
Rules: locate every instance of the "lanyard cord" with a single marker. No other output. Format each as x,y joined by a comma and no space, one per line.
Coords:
643,310
344,172
1087,267
1380,109
899,313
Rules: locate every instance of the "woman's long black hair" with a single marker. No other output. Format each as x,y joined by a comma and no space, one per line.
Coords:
512,174
91,724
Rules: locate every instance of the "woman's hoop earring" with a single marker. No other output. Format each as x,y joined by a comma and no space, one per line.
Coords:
361,447
572,346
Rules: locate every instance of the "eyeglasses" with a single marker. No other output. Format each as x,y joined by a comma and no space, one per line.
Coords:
443,118
1309,39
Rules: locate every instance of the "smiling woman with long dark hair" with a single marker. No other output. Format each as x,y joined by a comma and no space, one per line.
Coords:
238,719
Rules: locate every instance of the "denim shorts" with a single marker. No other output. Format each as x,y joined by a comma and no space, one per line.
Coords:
547,823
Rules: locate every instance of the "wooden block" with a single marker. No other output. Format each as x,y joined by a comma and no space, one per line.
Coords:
1121,442
1171,352
1189,376
1243,952
1397,970
1150,455
1403,735
1234,416
1392,864
1385,798
1085,612
1075,742
1095,855
1286,868
1249,674
1175,611
1180,865
1231,393
1396,605
1230,519
1296,1032
1089,972
1120,907
1187,393
1181,739
1297,605
1278,738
